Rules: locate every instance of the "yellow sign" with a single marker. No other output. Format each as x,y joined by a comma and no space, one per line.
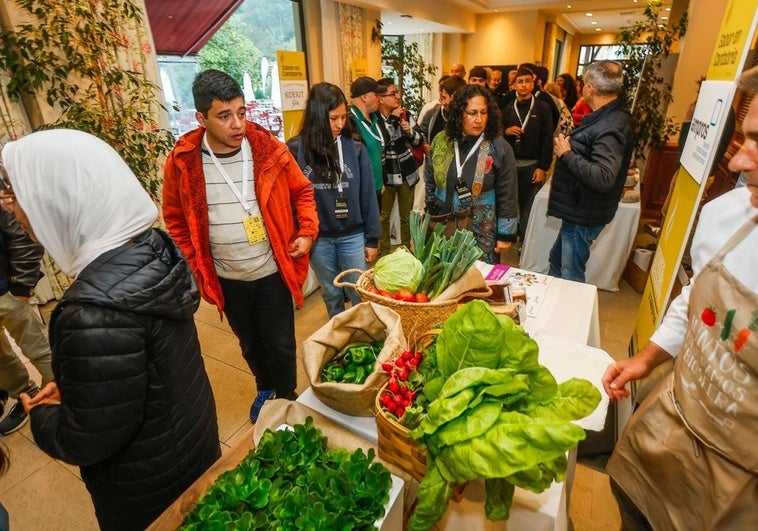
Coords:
731,45
293,85
359,68
665,265
736,34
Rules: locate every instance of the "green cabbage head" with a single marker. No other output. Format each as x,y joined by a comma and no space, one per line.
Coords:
398,270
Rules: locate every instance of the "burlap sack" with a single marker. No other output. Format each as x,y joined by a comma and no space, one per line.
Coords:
366,322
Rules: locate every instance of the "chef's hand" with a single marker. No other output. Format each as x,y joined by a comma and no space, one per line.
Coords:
370,254
47,395
538,176
561,145
301,246
621,372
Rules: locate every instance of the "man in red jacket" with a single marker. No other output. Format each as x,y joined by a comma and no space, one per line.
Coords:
243,214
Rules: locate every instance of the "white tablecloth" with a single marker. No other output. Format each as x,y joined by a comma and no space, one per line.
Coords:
608,254
569,310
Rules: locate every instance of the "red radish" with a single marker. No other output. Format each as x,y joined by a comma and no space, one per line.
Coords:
708,317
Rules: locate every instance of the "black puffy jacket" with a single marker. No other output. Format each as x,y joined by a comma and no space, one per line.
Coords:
137,412
589,179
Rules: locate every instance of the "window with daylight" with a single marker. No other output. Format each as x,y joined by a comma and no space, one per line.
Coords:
245,48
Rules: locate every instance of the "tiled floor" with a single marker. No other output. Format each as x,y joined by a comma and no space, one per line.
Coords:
43,494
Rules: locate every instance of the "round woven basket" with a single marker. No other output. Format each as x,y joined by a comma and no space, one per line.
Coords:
395,446
416,317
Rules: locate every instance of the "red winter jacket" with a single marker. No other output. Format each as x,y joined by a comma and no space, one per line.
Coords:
281,190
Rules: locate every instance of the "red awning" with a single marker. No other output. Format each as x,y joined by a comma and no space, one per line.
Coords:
182,27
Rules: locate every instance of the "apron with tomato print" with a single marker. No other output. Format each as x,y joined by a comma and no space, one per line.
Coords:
688,456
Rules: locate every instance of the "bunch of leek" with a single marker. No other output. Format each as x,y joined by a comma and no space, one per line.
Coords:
444,259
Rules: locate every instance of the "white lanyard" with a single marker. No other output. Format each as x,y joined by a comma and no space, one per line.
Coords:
342,165
370,129
458,165
242,197
528,114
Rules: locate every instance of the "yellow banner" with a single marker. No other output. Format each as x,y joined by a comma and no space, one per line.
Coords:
726,64
293,85
671,244
732,42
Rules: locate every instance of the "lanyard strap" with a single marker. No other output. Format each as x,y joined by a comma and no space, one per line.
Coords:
458,165
341,164
528,114
372,130
241,197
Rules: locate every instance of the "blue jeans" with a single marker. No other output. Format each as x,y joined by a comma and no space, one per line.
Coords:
571,250
329,256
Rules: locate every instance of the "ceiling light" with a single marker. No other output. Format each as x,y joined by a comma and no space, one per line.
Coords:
664,18
588,14
593,22
568,6
661,26
598,29
668,9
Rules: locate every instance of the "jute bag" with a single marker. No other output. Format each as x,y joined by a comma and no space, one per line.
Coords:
364,323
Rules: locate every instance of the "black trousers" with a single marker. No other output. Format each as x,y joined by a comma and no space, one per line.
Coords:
261,315
527,191
632,518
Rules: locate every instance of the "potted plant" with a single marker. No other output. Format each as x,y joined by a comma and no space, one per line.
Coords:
87,60
402,61
647,44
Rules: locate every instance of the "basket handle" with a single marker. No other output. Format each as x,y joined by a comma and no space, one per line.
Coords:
338,279
479,293
421,339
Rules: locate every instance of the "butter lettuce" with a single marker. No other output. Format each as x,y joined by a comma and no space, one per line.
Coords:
499,415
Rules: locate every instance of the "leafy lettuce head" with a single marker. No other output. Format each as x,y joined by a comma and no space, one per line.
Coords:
475,337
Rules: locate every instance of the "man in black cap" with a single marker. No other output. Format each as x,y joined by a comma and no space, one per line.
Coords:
478,76
364,93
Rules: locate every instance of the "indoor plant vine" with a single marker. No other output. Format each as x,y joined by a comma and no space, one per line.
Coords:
87,59
646,44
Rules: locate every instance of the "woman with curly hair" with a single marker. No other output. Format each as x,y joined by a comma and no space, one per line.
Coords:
471,181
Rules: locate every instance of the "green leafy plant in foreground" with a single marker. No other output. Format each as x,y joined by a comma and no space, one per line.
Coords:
494,413
293,482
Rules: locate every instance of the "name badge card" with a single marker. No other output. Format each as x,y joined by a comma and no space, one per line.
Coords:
256,232
464,194
340,208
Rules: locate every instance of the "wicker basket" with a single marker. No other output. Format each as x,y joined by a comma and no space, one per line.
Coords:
398,449
393,442
395,446
416,317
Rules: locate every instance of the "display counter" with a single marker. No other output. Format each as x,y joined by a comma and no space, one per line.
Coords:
562,316
608,254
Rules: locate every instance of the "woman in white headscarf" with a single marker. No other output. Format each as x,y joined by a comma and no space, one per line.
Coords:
132,406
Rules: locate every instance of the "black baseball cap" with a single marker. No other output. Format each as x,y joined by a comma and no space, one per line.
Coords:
364,85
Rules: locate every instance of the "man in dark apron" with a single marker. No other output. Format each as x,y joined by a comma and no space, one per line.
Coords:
687,458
